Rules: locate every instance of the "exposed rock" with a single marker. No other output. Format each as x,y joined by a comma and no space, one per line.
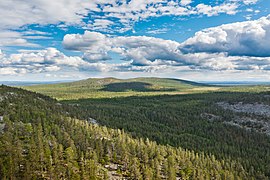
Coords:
266,96
256,108
255,122
2,127
2,124
111,167
112,171
93,121
251,124
40,99
12,93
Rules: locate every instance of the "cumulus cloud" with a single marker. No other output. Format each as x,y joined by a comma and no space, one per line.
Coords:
47,60
16,13
236,46
249,38
213,11
142,50
93,41
185,2
143,53
100,24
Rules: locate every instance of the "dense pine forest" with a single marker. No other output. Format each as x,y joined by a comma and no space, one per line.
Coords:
179,120
38,140
179,113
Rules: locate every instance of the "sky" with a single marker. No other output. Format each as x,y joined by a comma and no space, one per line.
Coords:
199,40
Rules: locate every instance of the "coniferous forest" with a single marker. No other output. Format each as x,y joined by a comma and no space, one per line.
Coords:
182,121
137,137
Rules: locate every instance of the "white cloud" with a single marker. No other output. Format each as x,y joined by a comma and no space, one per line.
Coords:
8,71
214,11
248,2
38,37
249,38
157,31
142,50
13,38
47,60
136,10
203,51
16,13
100,24
96,42
185,2
231,47
2,55
35,32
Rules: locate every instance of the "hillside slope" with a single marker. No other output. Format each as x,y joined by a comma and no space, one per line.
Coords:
39,141
112,87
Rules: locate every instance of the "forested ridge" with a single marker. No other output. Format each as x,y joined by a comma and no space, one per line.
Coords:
40,141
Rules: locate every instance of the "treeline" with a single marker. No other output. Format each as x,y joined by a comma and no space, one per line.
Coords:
40,141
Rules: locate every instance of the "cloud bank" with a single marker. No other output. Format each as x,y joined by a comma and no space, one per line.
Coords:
250,38
47,60
141,50
242,46
236,46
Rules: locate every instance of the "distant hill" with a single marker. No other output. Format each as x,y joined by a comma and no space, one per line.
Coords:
112,87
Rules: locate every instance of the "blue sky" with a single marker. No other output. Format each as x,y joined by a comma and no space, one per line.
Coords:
47,40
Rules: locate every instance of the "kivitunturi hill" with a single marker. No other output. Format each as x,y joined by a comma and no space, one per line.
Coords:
112,87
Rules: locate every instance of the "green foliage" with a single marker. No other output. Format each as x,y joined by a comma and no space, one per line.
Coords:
40,141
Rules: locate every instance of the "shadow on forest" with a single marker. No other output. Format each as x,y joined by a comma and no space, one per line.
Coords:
133,86
192,83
